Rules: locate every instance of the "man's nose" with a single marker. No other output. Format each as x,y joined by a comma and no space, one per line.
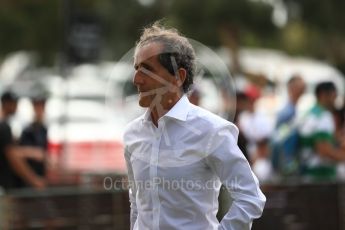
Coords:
138,78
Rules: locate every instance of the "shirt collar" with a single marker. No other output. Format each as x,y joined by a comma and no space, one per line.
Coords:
319,106
179,111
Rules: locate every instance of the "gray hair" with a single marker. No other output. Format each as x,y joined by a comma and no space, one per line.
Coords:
175,47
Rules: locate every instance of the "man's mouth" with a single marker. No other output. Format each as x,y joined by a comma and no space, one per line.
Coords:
144,93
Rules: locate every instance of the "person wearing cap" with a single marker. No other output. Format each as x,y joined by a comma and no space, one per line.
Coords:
12,157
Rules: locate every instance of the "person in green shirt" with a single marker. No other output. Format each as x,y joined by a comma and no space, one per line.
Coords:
319,153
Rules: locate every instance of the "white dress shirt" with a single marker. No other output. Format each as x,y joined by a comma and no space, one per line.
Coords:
175,172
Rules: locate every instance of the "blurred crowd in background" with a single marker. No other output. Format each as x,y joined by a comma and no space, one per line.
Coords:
70,51
295,133
66,88
307,144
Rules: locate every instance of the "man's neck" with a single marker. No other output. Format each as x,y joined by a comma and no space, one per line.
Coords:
157,112
38,120
323,105
5,116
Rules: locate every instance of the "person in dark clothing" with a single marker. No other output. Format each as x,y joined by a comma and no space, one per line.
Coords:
35,135
9,107
12,157
241,105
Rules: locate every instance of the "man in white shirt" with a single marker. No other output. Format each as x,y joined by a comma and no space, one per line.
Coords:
178,154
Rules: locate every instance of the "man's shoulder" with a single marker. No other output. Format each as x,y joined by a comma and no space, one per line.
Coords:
4,126
316,120
134,123
318,114
132,127
3,123
318,111
211,120
35,127
5,134
28,129
286,113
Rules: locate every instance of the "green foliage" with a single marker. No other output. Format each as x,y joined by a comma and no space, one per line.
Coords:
30,25
314,28
202,19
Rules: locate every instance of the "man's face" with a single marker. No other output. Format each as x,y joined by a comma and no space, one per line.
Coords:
297,88
300,88
38,107
10,107
152,80
330,98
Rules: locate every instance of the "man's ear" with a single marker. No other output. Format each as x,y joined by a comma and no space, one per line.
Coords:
181,76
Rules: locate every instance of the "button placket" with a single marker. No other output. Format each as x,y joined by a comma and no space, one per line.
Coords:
153,176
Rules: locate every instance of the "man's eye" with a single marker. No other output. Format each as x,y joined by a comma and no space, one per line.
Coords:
144,70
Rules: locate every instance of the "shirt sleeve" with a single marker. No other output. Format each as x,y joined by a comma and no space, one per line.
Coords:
230,165
132,190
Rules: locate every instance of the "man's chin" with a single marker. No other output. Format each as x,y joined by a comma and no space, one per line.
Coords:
144,103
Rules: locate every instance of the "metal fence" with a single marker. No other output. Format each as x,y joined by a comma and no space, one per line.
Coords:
303,206
65,208
290,206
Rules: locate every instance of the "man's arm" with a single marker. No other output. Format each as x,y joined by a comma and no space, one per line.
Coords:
326,149
132,190
228,162
17,157
28,152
